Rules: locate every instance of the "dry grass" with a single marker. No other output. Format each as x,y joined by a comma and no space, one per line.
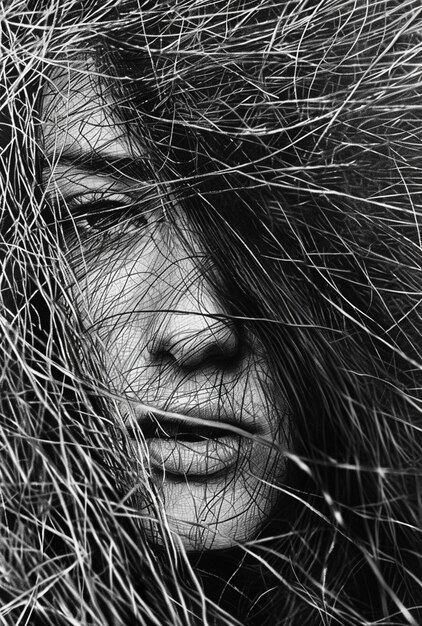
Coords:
292,133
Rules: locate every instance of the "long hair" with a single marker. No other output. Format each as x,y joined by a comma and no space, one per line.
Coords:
290,134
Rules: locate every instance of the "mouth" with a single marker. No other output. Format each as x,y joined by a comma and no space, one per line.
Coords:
189,448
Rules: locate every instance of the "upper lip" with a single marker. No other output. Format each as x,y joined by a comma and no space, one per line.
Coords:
204,421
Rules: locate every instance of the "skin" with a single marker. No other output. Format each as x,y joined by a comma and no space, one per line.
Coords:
166,341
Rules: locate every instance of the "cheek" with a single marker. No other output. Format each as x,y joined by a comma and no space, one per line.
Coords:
116,285
117,295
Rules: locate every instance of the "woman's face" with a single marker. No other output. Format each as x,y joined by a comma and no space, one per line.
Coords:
146,297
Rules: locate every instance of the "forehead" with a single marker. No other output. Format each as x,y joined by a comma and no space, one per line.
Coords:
76,114
82,141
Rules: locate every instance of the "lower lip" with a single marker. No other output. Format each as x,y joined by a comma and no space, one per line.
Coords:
194,458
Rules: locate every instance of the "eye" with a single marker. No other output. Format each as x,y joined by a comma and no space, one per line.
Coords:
105,214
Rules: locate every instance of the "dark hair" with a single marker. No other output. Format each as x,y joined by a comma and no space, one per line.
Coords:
290,134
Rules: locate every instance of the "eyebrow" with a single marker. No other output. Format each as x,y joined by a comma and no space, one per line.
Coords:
135,168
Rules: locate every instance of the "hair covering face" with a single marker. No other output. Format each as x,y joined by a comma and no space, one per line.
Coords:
281,143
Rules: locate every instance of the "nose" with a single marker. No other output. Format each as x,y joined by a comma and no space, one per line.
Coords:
194,332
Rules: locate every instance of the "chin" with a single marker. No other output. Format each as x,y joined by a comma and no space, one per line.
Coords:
215,514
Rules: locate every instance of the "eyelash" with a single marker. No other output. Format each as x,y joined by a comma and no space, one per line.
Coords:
103,216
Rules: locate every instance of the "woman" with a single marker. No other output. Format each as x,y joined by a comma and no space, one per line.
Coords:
210,282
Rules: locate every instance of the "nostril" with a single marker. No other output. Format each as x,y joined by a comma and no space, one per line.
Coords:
197,356
197,342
